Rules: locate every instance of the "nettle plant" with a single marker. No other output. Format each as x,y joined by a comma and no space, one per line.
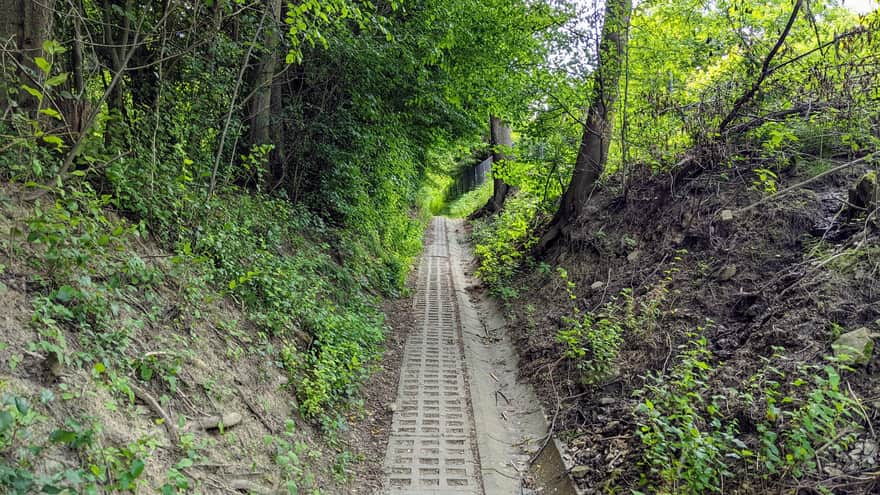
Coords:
692,443
593,338
804,415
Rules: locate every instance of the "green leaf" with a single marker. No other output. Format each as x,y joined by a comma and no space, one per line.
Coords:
57,80
51,112
65,294
6,420
63,436
55,140
33,92
137,467
43,64
53,47
146,373
22,405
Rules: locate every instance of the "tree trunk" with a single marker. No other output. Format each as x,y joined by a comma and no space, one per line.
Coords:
501,140
27,24
117,35
593,151
261,105
278,156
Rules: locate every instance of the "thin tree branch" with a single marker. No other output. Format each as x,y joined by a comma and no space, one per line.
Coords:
765,69
808,181
74,151
232,104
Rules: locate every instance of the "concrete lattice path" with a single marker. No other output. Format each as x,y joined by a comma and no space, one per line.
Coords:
432,449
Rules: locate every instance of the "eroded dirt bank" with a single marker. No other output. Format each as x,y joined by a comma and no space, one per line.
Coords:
769,288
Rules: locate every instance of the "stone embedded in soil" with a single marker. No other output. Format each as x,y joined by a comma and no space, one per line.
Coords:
855,347
726,216
607,401
833,471
863,454
579,471
597,285
634,256
726,273
865,192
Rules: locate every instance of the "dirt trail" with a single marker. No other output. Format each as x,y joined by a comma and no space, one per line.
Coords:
462,424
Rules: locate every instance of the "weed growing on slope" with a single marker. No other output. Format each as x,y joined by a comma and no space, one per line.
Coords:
688,442
803,415
117,469
290,457
592,340
692,442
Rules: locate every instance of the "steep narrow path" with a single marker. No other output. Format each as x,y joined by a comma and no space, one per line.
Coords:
453,367
431,448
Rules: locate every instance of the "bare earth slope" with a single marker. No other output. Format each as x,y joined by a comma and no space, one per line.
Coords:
770,289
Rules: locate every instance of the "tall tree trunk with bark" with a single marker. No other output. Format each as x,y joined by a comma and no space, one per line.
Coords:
26,24
261,127
593,152
501,140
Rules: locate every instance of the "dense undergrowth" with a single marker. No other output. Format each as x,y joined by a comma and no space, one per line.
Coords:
204,204
308,292
164,257
468,202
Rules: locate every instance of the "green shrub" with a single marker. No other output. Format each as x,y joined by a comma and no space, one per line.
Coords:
691,442
688,443
503,242
592,340
796,426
